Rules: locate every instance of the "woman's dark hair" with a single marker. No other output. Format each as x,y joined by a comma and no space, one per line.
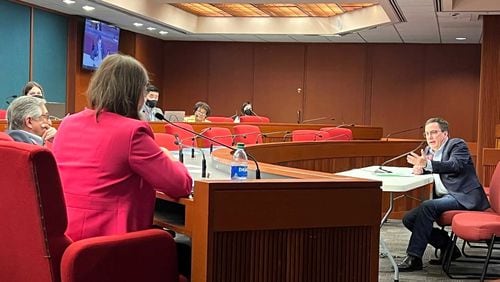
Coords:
202,105
246,109
30,85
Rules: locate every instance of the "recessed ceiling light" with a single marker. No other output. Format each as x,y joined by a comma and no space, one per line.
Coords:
461,38
151,28
138,24
88,8
69,2
162,32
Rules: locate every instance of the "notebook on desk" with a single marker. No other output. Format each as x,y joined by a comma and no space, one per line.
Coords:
175,116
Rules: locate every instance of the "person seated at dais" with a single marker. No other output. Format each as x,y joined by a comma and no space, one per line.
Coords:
201,112
28,121
34,89
149,109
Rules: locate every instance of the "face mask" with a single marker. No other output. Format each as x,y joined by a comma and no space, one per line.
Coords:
151,103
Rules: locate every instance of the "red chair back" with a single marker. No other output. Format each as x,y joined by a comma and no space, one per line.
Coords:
247,134
166,140
187,138
3,114
309,135
34,214
220,134
255,119
5,137
336,133
219,119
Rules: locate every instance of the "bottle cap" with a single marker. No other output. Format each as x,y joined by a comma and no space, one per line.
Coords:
240,145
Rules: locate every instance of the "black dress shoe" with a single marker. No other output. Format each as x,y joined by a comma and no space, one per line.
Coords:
439,261
410,263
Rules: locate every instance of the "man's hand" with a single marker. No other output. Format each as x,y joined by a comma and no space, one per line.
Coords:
417,160
49,133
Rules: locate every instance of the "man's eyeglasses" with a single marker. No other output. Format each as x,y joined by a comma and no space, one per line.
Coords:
432,133
45,116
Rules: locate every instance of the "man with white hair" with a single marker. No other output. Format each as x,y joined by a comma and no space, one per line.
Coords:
29,122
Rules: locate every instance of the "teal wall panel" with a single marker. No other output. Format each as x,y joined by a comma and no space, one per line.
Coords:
14,49
50,54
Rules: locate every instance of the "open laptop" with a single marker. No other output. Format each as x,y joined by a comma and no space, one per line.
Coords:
55,109
175,116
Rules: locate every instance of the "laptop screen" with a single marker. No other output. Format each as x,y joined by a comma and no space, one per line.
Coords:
175,116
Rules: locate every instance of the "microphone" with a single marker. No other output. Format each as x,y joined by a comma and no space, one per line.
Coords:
316,119
402,131
257,169
179,143
203,161
381,169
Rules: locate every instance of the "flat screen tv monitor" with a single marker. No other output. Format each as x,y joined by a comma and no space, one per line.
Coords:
99,40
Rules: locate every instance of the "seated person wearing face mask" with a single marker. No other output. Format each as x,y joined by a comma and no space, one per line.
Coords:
34,89
29,121
149,109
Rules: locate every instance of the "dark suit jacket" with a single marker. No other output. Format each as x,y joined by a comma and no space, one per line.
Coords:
458,175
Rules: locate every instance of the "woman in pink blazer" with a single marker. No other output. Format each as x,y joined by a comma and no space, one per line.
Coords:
109,163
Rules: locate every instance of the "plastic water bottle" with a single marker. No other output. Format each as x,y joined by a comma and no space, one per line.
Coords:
239,165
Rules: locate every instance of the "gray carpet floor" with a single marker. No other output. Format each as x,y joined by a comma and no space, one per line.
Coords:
396,237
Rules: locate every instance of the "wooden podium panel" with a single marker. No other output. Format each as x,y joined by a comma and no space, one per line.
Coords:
284,230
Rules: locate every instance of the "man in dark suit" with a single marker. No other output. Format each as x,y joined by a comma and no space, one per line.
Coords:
456,187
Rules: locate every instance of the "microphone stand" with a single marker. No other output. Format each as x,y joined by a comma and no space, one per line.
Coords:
257,169
381,169
203,161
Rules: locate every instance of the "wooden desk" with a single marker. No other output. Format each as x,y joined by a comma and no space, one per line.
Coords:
291,229
337,156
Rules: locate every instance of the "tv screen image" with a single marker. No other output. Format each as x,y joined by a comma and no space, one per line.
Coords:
99,40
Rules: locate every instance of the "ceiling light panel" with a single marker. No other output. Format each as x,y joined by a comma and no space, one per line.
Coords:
241,10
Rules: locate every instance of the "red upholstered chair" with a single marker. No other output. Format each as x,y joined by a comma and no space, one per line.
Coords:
338,133
34,221
309,135
166,140
248,134
5,137
186,137
219,119
478,227
254,119
3,114
220,134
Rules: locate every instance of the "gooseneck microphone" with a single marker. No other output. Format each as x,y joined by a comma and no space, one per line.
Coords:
317,119
381,169
402,131
257,169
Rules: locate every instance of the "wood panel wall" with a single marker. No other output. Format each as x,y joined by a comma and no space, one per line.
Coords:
395,86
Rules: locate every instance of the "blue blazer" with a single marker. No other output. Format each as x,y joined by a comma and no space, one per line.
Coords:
458,175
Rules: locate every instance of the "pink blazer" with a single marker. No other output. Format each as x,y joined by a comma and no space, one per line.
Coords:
110,170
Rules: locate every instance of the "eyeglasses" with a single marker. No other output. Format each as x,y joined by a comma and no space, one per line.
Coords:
432,133
201,113
45,116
